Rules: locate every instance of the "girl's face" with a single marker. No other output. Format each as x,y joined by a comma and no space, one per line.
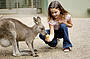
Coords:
55,12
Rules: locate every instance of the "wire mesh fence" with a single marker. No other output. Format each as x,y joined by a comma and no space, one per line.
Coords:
19,6
9,4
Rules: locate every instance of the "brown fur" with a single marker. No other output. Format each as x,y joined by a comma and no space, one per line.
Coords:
12,31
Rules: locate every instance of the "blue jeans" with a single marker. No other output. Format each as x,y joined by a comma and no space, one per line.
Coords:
61,33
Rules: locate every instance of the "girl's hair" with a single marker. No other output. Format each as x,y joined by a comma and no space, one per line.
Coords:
55,4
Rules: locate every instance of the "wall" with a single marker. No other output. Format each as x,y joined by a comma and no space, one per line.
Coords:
44,6
77,8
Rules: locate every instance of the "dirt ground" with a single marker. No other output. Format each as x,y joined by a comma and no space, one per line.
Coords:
79,36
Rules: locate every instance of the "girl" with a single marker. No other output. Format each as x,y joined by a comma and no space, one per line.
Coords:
59,20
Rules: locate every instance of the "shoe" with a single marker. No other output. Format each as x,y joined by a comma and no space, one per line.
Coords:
67,49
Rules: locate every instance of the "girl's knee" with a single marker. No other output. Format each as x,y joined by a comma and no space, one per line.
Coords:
41,36
62,25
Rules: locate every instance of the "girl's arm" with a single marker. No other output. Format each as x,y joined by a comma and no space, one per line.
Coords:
68,23
51,36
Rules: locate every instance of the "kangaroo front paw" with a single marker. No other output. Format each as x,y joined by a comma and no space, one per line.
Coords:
24,53
36,55
35,50
16,55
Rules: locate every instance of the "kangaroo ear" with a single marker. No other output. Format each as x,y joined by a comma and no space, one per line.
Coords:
39,19
35,20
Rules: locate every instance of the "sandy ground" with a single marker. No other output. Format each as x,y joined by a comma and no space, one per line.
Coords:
79,36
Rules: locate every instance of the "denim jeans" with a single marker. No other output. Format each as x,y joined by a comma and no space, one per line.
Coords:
61,33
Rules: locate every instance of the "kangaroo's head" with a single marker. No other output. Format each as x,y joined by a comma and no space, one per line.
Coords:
39,27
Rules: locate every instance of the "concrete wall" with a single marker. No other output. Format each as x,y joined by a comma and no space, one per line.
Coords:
77,8
44,6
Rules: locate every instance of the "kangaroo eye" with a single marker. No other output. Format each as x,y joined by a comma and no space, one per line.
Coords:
42,28
55,12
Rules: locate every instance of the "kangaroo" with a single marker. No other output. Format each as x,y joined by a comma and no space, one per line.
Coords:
12,31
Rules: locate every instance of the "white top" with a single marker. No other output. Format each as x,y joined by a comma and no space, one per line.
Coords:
56,23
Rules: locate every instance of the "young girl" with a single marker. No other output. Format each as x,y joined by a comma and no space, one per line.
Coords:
59,20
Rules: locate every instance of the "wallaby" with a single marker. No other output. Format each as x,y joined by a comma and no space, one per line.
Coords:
12,31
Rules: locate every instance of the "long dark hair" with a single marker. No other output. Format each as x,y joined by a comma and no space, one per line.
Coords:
55,4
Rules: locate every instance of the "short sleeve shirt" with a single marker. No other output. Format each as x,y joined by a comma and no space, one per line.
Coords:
56,23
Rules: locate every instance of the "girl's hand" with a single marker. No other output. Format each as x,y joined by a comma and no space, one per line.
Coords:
60,22
68,24
49,38
65,22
